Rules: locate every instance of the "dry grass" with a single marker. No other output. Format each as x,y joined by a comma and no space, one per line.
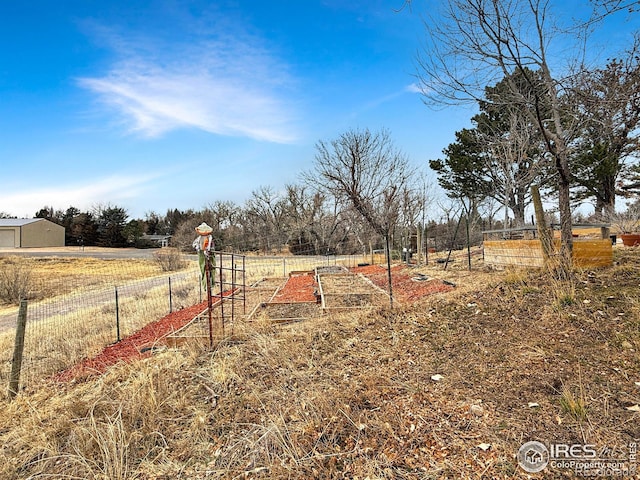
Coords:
66,324
59,341
52,277
352,396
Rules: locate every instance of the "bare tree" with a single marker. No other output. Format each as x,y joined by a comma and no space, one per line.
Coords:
606,7
265,213
224,217
476,42
359,236
307,217
367,171
515,165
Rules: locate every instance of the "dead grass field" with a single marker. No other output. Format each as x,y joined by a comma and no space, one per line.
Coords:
53,277
448,387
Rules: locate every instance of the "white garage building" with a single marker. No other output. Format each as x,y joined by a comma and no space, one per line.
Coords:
30,232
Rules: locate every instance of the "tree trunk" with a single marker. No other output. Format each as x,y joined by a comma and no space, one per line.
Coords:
518,214
609,202
566,230
543,230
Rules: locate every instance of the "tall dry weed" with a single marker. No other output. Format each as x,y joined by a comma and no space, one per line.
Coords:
16,280
102,448
561,282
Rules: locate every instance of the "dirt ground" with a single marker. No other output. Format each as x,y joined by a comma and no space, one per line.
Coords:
447,386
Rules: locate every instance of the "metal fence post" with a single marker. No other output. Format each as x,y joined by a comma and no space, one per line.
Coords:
18,350
117,317
170,297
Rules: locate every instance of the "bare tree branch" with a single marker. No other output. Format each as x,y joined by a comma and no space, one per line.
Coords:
364,169
478,42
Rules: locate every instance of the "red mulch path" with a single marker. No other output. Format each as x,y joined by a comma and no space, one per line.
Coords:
298,288
405,288
369,270
130,347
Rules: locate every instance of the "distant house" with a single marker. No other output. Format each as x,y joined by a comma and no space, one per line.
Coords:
157,240
30,232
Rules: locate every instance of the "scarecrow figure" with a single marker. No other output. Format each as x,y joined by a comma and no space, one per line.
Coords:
204,246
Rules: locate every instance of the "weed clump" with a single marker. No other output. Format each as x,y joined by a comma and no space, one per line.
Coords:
169,259
16,281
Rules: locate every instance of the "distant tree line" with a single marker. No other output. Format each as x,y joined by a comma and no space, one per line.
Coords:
298,219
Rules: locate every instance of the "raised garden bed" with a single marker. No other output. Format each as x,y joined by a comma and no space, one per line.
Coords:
278,300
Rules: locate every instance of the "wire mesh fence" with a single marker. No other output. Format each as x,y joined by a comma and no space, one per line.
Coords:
76,316
63,330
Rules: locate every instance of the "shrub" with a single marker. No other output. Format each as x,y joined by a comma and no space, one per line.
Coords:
169,259
16,281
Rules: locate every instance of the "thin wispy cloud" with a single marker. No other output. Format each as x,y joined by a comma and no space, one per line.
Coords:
229,87
377,102
25,201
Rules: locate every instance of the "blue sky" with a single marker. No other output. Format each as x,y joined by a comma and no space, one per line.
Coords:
151,105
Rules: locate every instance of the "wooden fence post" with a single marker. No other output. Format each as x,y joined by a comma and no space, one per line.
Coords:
18,349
